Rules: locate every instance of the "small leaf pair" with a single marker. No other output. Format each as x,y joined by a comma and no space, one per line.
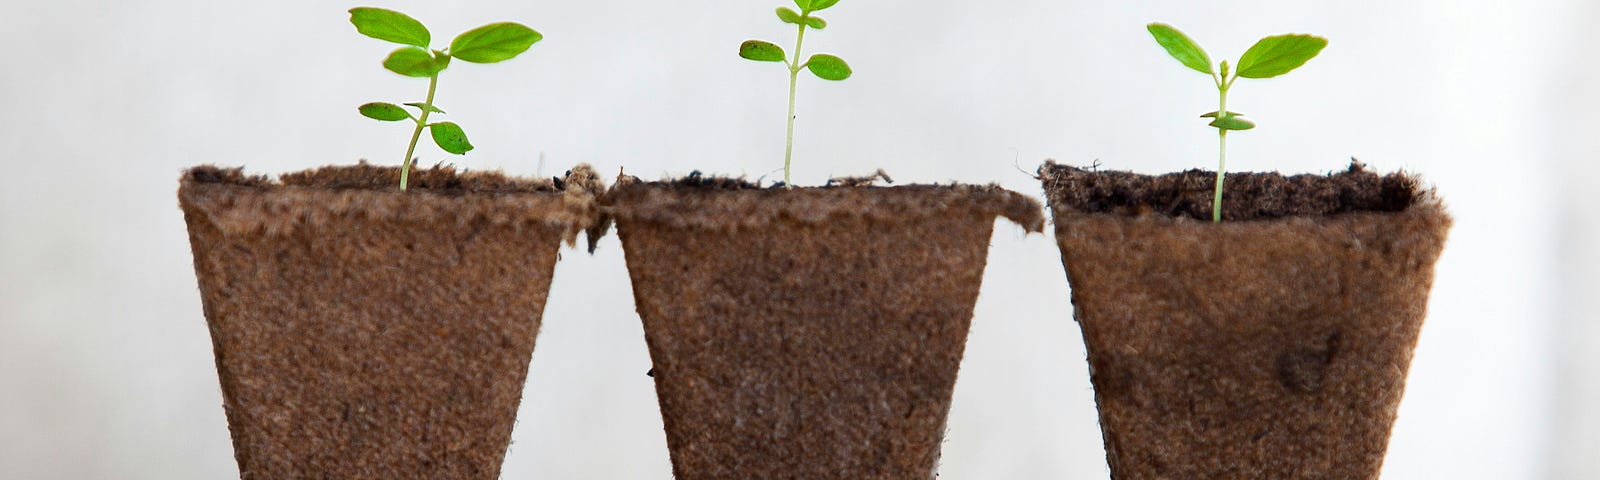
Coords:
495,42
1269,57
447,135
1229,121
790,16
824,66
390,112
492,43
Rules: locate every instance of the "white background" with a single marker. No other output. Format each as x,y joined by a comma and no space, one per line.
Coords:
105,363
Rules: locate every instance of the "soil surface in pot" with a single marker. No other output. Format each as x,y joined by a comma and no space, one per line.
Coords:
362,332
807,333
1272,345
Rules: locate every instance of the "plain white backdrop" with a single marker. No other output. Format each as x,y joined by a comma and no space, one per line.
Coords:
105,363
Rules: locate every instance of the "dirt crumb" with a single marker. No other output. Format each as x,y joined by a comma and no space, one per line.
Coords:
1246,195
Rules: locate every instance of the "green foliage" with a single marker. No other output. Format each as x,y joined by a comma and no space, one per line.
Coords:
1279,54
761,51
1229,121
789,16
1181,47
415,62
449,137
824,66
492,43
390,26
819,5
387,112
424,107
828,67
1269,57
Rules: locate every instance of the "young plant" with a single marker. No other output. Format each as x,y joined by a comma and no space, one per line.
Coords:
824,66
1269,57
490,43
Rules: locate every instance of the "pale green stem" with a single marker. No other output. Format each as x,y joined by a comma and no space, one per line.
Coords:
1221,152
794,77
1221,146
1221,172
405,166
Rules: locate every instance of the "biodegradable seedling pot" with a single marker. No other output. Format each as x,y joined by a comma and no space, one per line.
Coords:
809,332
364,332
1271,345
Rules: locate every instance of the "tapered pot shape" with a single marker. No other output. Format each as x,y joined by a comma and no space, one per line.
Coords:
365,332
1274,344
807,333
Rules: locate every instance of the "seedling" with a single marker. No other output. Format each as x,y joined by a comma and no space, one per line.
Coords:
1269,57
492,43
824,66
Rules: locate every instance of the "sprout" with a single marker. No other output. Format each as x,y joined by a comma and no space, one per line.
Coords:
1269,57
495,42
824,66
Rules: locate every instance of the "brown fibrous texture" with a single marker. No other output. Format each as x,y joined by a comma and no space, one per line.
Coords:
729,203
1274,344
806,333
362,332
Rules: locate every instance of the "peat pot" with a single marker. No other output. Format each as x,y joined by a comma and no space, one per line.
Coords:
365,332
807,332
1271,345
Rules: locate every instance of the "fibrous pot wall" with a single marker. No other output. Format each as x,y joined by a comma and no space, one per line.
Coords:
813,333
364,333
1272,345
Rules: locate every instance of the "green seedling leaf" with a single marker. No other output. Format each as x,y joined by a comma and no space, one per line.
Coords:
761,51
1279,54
413,62
450,137
1232,122
803,5
1180,47
1214,114
389,26
424,107
494,42
387,112
816,23
828,67
788,15
820,5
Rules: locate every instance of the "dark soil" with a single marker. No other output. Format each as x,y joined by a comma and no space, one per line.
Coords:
364,176
1273,347
364,333
723,202
806,333
1246,195
699,181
